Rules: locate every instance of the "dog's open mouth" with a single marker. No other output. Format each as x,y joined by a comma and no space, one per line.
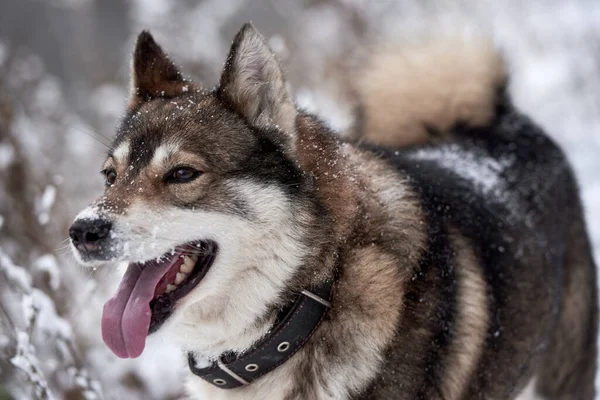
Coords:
148,293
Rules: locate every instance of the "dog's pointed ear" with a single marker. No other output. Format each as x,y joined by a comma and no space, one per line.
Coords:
153,74
253,84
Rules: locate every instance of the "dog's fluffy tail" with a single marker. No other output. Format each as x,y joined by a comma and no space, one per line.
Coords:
409,94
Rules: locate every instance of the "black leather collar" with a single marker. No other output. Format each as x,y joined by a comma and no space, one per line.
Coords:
295,324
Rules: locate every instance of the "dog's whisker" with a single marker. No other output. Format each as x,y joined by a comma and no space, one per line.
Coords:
106,145
89,132
64,245
63,250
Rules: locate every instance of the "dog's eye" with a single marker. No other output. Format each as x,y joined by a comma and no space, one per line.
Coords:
181,175
110,176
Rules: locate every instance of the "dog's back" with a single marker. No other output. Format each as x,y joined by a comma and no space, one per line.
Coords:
499,195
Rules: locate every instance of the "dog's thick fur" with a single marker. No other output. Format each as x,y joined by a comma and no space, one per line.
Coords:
465,271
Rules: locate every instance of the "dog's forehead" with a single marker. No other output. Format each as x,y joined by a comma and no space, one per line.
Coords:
199,124
162,121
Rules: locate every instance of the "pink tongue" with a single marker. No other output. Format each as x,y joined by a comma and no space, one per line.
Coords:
126,316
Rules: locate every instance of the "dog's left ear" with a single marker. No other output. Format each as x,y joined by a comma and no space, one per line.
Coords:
253,84
153,73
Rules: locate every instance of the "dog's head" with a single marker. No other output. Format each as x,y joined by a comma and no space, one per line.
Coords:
203,198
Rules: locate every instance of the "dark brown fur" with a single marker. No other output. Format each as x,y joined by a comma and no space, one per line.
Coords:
153,74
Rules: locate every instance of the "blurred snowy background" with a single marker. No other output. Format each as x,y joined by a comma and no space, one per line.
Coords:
63,82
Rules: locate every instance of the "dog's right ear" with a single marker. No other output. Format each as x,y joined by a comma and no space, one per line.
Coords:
153,74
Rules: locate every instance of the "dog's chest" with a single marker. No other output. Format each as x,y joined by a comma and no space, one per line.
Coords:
198,389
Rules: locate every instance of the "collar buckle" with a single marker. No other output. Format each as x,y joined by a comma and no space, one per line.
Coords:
229,372
313,296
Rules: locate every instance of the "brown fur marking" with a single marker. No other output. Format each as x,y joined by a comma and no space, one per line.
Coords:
472,320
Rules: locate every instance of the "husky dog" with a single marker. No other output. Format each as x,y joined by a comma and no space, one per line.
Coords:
443,255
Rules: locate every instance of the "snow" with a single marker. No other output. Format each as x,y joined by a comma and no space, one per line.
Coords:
88,213
43,338
45,204
47,92
27,362
29,309
7,155
480,169
277,44
48,264
47,320
15,274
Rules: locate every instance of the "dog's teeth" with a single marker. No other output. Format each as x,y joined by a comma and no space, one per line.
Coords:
187,266
180,277
170,288
188,260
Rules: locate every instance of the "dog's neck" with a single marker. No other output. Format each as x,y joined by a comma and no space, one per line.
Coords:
295,325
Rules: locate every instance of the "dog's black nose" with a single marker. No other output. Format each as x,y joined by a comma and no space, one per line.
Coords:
87,234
